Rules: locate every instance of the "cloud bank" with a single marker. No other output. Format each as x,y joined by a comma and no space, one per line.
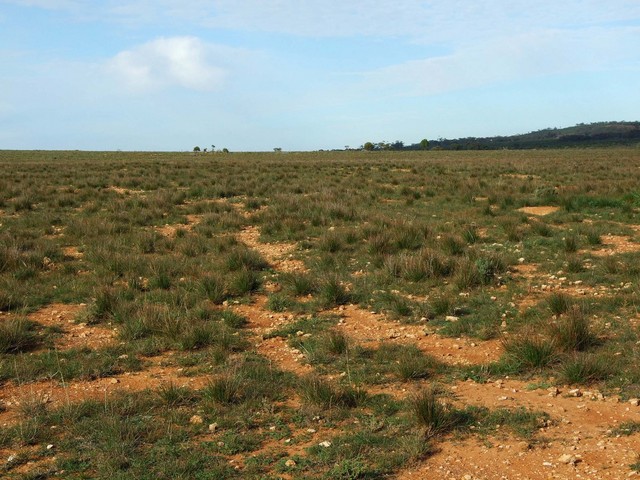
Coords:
186,62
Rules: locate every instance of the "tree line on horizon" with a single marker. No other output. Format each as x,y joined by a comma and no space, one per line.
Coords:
599,134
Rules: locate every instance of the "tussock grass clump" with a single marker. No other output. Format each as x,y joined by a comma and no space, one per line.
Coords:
17,335
529,352
278,302
299,284
244,259
317,391
413,365
214,288
335,342
570,243
416,267
586,368
332,292
452,245
244,282
228,389
174,396
572,332
559,303
433,414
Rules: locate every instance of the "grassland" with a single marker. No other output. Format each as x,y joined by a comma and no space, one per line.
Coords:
319,315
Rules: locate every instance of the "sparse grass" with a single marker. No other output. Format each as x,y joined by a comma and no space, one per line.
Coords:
399,233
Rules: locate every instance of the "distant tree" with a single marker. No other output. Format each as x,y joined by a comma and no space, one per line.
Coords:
424,144
397,145
368,146
277,149
213,148
225,150
196,149
204,150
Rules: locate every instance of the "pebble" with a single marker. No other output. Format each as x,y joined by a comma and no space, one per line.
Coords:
574,393
634,401
196,420
213,427
290,463
325,444
451,318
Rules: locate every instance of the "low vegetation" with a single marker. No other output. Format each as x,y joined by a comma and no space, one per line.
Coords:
304,315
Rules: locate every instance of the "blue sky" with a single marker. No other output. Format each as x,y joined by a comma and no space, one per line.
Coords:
308,74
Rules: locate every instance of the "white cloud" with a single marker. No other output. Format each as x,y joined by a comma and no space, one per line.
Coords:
187,62
532,54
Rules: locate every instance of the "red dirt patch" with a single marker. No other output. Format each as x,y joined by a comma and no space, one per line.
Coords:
277,254
55,394
538,210
261,322
169,230
72,252
579,429
614,244
372,329
74,335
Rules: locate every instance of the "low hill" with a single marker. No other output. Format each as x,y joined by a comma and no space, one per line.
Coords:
581,135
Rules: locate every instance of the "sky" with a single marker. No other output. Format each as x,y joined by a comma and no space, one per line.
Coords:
252,75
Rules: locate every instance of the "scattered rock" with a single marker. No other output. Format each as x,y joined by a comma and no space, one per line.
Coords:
451,318
634,401
576,392
196,420
290,463
213,427
325,444
569,459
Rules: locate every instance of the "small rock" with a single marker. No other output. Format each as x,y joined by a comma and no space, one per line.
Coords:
213,427
196,420
634,401
451,318
568,459
50,446
574,393
290,463
553,391
325,444
114,381
299,333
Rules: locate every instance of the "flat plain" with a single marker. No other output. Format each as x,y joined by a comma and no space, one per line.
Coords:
340,315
